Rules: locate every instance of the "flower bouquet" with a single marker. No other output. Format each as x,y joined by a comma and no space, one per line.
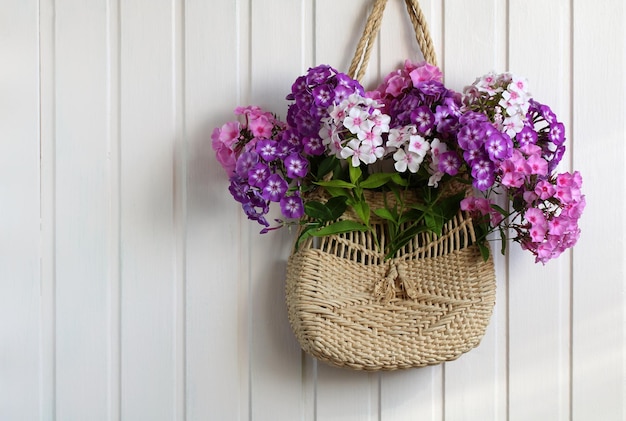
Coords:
409,136
395,193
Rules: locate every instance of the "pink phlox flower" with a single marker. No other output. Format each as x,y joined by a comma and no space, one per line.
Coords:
425,72
544,189
418,145
513,125
536,218
407,160
381,122
537,165
530,196
396,138
480,205
357,120
529,149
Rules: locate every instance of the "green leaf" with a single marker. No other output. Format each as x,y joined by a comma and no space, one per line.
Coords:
503,238
449,206
336,183
336,206
402,240
306,233
377,180
338,228
484,250
326,166
318,210
434,222
337,191
362,210
355,173
500,210
385,213
397,178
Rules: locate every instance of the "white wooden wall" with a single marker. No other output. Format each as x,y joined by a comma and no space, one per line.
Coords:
131,286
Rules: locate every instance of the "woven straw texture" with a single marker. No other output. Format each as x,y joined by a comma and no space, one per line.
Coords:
429,304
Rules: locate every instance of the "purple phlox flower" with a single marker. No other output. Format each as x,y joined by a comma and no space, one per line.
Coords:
557,133
275,188
245,162
266,149
291,137
258,174
296,166
298,86
446,122
320,74
526,136
499,146
306,124
471,136
323,95
239,188
473,117
292,206
313,146
304,100
433,91
423,118
285,148
449,163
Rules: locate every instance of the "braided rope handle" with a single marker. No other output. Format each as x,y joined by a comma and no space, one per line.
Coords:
372,27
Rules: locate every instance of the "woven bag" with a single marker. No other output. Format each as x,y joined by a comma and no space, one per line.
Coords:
430,303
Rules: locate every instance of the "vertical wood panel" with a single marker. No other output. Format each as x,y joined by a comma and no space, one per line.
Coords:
539,295
599,279
475,36
47,61
278,54
20,367
215,348
148,163
82,210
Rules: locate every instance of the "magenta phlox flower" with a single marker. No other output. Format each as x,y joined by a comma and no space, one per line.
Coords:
292,206
267,149
275,188
246,162
323,95
258,174
423,118
449,163
557,133
296,165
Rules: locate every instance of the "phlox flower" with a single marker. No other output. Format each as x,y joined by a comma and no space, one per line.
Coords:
296,166
275,188
544,189
423,72
407,160
537,165
418,145
292,206
357,120
449,163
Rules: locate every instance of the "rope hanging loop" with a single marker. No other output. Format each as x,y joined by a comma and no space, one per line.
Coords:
372,28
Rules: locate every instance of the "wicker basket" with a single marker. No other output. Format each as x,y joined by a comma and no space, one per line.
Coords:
429,304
